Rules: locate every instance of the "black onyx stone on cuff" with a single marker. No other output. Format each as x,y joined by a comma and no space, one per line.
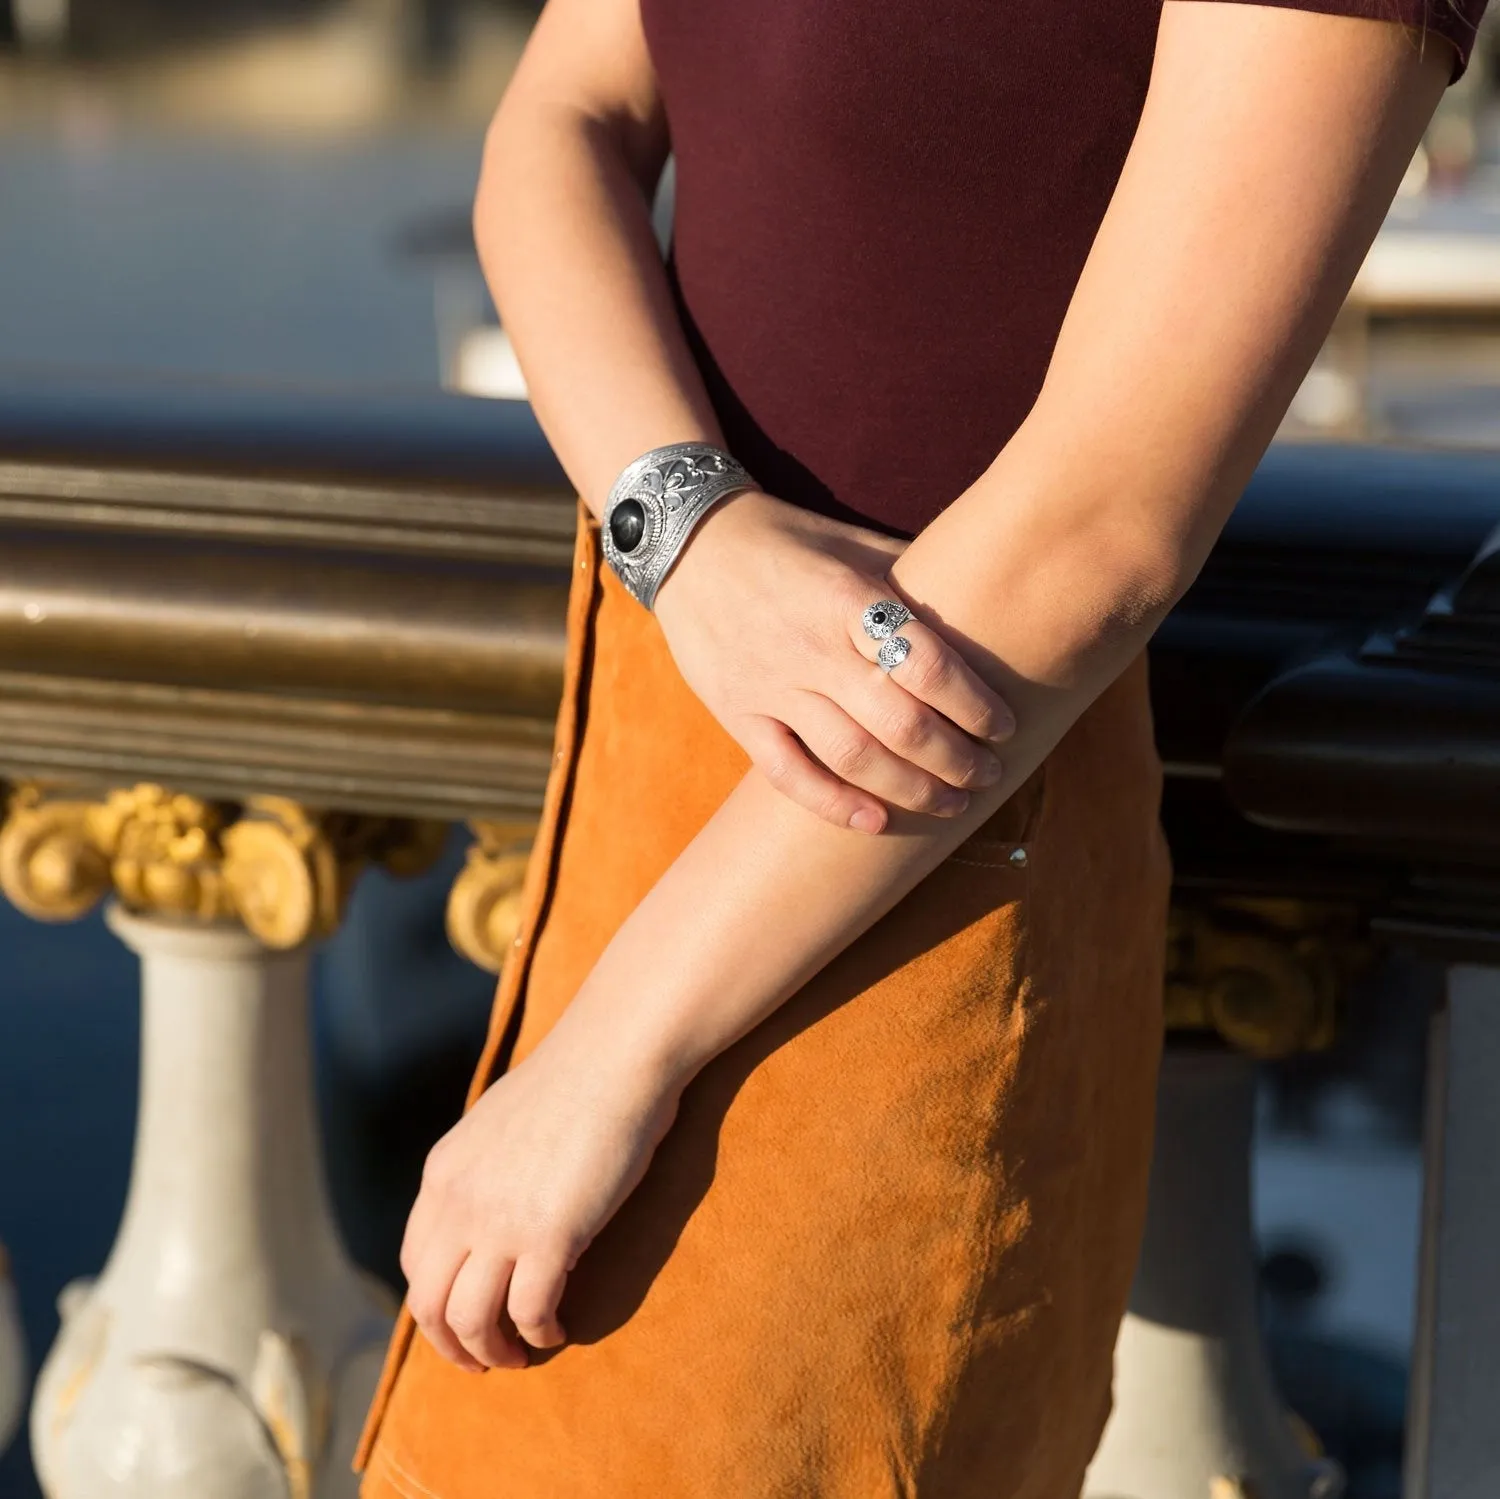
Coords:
627,525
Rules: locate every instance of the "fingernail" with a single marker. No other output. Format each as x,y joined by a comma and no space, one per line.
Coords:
867,820
1004,725
988,771
952,803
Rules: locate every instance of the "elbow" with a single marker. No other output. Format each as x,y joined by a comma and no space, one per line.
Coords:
1146,576
1107,584
1144,595
1134,567
491,194
513,163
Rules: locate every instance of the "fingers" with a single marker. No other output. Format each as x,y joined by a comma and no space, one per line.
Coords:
455,1296
937,675
418,1227
858,757
536,1288
473,1313
427,1297
915,732
784,761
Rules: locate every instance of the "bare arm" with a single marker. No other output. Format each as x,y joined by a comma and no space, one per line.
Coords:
563,231
563,228
1271,145
1226,251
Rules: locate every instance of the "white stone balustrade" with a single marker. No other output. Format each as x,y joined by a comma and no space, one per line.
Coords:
13,1370
1452,1432
1196,1413
229,1348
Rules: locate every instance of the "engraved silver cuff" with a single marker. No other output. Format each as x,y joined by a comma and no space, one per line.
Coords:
654,505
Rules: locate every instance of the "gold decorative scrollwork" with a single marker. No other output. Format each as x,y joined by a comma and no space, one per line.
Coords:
484,908
50,865
281,869
163,851
1267,975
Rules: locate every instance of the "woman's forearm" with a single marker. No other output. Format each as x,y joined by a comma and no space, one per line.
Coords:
563,228
774,893
1205,297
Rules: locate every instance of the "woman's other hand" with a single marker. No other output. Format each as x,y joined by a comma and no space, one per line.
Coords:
763,612
516,1191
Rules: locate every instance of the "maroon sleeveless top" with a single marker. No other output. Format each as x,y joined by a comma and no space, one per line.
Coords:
882,209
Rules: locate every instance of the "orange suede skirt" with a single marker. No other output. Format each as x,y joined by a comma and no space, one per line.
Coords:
885,1249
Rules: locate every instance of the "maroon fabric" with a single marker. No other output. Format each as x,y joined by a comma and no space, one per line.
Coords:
883,207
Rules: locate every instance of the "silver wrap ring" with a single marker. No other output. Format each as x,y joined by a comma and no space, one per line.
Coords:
884,617
881,621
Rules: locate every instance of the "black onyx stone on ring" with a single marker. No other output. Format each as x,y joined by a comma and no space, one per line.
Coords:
627,524
884,617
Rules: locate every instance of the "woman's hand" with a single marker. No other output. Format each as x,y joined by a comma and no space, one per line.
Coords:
516,1191
762,612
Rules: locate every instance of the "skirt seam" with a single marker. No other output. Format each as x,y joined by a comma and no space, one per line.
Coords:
583,602
572,716
982,1273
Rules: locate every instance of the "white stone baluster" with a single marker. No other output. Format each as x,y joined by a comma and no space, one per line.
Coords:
1196,1413
1453,1415
229,1348
12,1357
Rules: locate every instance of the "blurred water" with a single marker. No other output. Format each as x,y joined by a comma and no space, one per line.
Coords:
244,258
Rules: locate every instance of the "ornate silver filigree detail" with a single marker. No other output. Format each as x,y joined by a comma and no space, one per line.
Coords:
884,617
893,652
675,487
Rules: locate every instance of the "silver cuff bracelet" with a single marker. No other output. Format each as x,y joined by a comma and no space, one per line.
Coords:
654,505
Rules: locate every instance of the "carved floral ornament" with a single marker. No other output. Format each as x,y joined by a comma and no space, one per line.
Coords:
1267,975
283,871
484,909
267,1431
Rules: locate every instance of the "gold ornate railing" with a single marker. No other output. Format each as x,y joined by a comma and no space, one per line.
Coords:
227,684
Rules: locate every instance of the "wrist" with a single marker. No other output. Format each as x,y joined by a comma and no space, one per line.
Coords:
611,1032
657,503
726,533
